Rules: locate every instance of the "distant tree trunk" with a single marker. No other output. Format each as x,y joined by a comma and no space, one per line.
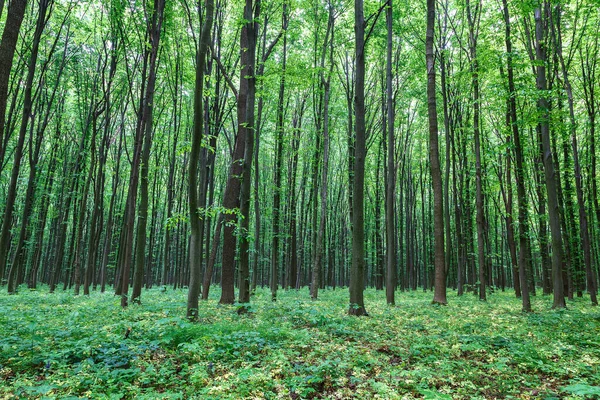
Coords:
553,211
520,170
143,132
197,190
324,86
390,216
583,219
434,162
293,256
110,218
589,61
10,35
474,18
274,283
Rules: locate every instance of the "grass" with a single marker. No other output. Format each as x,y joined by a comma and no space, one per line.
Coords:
62,346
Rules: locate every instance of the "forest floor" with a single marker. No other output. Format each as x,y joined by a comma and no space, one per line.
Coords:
64,346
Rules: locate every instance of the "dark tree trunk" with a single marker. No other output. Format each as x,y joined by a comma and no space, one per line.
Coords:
553,211
248,47
11,195
357,304
434,163
323,118
197,190
143,131
473,18
274,283
10,35
520,171
583,219
390,195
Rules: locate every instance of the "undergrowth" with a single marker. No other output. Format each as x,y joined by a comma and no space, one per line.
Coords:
64,346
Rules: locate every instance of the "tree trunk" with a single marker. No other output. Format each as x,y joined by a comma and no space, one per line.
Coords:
439,296
248,48
583,219
520,170
143,130
357,304
323,118
473,18
197,191
553,211
274,284
11,195
390,216
10,35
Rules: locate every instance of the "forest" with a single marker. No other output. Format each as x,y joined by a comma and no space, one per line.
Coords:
212,191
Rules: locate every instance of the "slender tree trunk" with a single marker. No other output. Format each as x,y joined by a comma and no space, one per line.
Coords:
10,35
197,191
248,46
553,211
143,129
357,304
390,216
583,219
274,284
11,195
473,18
324,85
520,170
434,163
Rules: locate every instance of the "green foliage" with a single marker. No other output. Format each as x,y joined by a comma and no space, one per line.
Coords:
60,346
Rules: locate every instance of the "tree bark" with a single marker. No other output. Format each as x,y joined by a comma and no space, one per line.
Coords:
10,35
248,47
439,296
357,303
520,169
197,191
11,195
553,211
390,215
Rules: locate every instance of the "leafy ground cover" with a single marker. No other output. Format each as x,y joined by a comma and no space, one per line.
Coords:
62,346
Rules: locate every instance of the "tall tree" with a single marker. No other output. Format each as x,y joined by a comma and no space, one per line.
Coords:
143,134
520,171
583,219
324,84
474,17
197,190
248,48
8,44
357,303
439,296
541,19
5,235
390,215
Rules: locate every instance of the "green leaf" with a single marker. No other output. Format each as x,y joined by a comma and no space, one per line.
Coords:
582,389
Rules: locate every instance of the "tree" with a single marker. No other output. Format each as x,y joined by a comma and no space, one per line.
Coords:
434,162
8,44
197,191
520,171
357,303
551,190
390,215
